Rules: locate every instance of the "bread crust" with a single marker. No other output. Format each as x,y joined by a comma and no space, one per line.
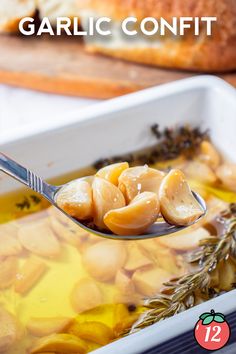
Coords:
209,54
12,12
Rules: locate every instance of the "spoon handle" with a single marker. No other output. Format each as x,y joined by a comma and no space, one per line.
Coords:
25,176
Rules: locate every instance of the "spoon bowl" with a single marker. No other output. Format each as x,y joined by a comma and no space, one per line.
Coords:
48,191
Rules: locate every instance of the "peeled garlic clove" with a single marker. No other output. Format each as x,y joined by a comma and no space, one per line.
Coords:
106,197
112,172
200,172
40,327
8,330
103,259
30,273
178,205
226,275
39,238
59,343
136,180
9,245
76,199
227,174
8,270
135,218
136,259
95,332
149,282
124,283
185,240
209,155
86,295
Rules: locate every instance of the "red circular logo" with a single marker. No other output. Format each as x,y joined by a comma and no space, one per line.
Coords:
212,331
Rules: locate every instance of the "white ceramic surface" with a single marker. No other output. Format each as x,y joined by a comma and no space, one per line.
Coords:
123,125
29,111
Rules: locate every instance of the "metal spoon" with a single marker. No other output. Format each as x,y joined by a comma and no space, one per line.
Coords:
49,192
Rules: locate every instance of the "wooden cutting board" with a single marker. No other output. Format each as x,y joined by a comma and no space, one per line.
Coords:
61,65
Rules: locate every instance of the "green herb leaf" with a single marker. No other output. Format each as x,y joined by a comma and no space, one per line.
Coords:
208,320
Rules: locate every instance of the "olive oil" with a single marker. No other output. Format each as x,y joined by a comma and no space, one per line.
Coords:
51,295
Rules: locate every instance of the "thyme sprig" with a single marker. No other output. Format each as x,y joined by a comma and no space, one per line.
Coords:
171,143
27,202
182,293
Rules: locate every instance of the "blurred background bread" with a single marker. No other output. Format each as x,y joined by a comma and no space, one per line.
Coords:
56,8
12,11
196,53
203,53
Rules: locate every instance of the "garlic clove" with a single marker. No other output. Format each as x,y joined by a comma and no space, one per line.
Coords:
185,240
103,259
106,197
76,199
9,330
96,332
86,295
136,258
124,283
9,245
39,238
8,272
209,155
200,172
178,205
149,282
136,180
29,274
227,174
112,172
59,343
135,218
40,327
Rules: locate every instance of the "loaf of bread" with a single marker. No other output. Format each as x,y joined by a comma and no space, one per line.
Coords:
57,8
199,53
12,11
216,53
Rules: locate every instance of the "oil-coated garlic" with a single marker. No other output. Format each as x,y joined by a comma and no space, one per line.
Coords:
209,155
135,218
40,327
136,180
103,259
112,172
29,274
148,282
8,272
9,245
39,238
86,295
227,174
185,240
200,172
9,330
76,199
178,205
92,331
59,343
106,197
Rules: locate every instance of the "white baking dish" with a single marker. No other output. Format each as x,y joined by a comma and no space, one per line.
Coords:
122,125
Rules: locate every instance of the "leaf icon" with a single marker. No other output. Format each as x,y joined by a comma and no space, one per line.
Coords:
204,315
207,320
219,318
220,314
